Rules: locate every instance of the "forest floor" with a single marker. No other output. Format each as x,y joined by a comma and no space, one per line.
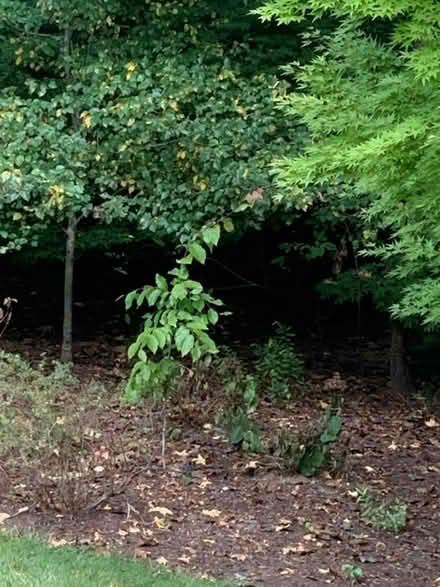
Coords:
218,512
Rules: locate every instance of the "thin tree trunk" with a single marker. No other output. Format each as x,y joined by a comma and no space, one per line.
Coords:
66,345
72,221
399,371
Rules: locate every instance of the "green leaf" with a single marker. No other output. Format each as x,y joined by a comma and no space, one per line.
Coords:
151,342
211,235
333,428
179,291
187,345
161,334
312,460
154,295
208,344
161,282
198,252
197,325
212,316
196,352
180,335
133,349
187,260
129,299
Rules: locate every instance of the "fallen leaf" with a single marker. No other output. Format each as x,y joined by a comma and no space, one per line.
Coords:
138,552
161,510
287,571
134,530
160,523
162,560
211,513
251,465
54,543
181,453
199,460
3,516
283,525
184,559
431,423
296,549
393,446
238,557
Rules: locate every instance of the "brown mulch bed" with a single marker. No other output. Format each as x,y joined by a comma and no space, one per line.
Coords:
222,513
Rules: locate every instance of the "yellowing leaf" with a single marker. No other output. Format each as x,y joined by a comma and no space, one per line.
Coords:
86,119
159,523
228,225
131,66
181,154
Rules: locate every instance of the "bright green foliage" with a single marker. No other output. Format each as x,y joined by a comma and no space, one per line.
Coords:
178,326
30,562
373,111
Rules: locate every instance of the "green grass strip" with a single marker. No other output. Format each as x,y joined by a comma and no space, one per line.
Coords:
26,562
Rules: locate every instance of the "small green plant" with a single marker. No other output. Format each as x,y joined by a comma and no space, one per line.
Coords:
316,447
241,401
278,362
353,572
379,514
177,327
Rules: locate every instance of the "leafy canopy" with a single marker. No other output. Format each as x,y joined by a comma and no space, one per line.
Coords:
373,110
154,113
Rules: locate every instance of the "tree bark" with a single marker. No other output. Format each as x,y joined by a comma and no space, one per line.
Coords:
399,371
66,344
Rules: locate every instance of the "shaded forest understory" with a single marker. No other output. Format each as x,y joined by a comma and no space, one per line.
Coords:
214,509
246,517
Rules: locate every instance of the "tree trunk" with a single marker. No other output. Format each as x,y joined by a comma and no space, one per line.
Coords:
399,371
66,345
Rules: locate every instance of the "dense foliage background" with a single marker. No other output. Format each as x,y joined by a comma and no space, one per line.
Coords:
127,126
